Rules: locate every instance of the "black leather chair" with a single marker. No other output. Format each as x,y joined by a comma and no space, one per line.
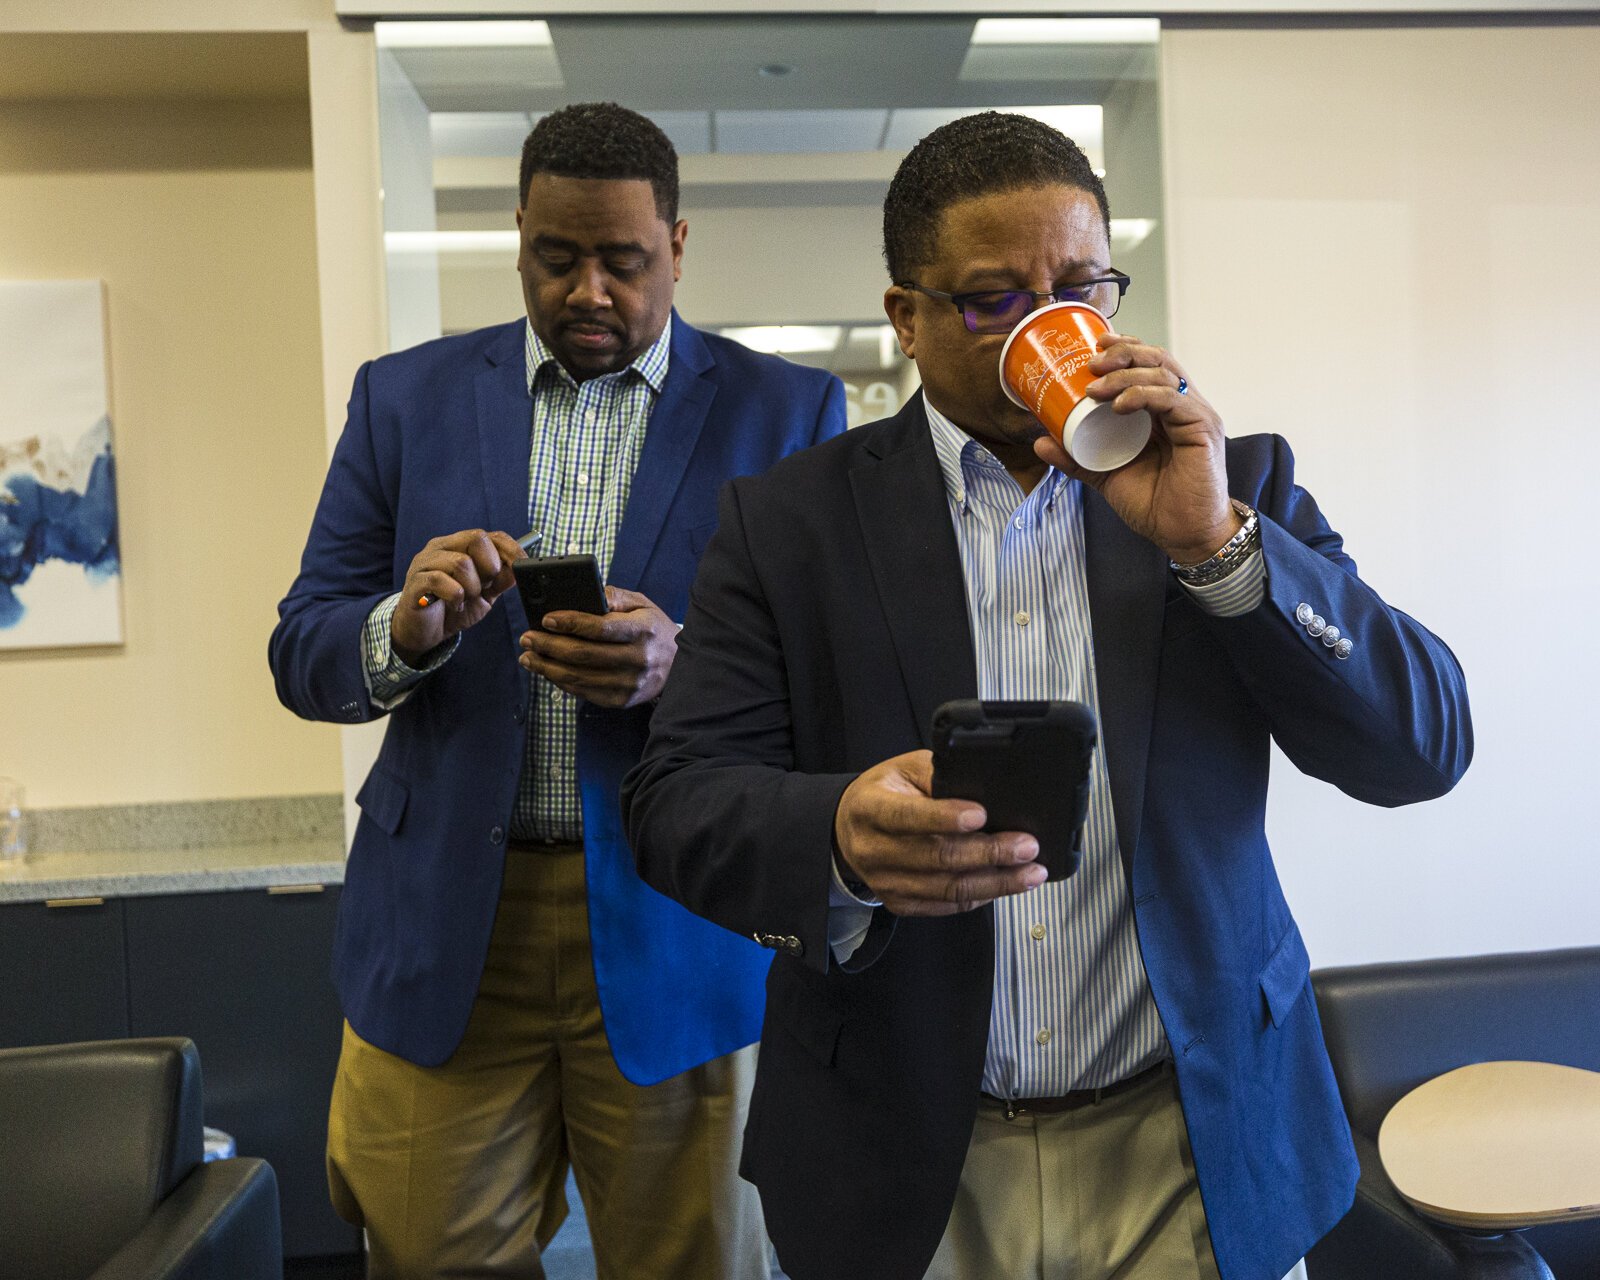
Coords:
102,1173
1389,1028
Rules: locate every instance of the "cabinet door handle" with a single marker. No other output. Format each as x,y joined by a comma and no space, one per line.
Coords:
74,902
278,890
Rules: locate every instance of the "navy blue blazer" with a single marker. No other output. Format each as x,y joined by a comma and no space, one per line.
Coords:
437,440
828,621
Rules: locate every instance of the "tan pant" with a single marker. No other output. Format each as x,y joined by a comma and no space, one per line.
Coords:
1105,1192
460,1170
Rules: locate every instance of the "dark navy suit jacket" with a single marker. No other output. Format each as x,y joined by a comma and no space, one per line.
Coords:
827,623
437,440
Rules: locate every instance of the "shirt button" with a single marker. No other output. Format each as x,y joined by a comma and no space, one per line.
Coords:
553,693
1317,625
1020,617
496,835
1044,1035
1343,649
1037,931
1330,637
1018,522
1304,613
572,548
589,418
583,477
556,771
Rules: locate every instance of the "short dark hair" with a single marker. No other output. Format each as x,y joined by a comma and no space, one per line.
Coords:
976,155
602,140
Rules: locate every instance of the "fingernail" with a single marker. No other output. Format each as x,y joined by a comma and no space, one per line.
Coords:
1035,876
972,819
1025,850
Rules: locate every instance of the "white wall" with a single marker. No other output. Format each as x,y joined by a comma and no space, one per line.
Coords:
1383,244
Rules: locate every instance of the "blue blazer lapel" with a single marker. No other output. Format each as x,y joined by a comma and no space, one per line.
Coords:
1127,609
669,443
505,437
911,548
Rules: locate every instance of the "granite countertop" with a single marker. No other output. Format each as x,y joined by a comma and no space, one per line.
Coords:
127,873
198,847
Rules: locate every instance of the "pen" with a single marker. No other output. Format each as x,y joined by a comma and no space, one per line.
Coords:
527,542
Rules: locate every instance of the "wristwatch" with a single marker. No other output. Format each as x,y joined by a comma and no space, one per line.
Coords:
1233,553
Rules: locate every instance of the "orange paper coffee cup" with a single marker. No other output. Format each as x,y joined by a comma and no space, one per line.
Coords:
1044,367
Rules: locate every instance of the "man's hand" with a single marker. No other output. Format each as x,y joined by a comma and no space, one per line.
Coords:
926,857
616,659
460,576
1175,493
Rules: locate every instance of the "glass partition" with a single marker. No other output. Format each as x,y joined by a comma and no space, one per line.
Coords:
788,131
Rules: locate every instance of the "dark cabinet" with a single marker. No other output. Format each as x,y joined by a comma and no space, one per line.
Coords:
244,974
66,975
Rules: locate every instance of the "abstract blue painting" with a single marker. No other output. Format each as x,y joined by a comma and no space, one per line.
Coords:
60,565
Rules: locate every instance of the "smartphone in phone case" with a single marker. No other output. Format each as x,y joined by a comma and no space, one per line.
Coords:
549,583
1026,763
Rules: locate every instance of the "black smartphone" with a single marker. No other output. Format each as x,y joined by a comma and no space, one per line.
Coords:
548,583
1026,763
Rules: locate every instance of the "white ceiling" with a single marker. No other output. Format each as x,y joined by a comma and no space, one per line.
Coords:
686,64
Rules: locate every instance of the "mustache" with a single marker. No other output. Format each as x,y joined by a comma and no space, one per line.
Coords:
590,322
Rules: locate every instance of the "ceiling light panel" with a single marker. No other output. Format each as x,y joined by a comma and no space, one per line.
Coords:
781,339
462,35
989,31
495,242
799,131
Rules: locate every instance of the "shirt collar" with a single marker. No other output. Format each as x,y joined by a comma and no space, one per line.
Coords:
960,457
650,364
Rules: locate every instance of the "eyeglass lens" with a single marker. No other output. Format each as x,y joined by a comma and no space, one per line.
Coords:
999,312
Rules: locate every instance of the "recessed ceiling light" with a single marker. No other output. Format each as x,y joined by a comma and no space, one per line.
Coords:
506,241
463,35
779,339
774,69
1130,233
1066,31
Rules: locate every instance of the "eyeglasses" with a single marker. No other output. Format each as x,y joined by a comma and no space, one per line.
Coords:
998,311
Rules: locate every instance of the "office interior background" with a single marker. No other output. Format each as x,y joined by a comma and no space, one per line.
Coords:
1374,234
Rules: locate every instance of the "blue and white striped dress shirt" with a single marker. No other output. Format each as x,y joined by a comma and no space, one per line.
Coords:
1072,1006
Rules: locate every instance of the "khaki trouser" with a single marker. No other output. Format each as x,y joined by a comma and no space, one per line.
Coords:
460,1170
1104,1192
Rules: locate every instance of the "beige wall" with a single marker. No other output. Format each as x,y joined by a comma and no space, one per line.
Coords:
1383,245
199,217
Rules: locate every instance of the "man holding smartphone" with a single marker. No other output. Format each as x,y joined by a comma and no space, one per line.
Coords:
515,997
966,1072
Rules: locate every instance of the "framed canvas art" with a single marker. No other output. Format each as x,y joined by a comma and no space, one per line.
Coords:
60,565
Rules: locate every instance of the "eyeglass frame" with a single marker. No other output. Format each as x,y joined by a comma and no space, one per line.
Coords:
959,300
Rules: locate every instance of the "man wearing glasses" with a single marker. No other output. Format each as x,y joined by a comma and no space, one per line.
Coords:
966,1072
